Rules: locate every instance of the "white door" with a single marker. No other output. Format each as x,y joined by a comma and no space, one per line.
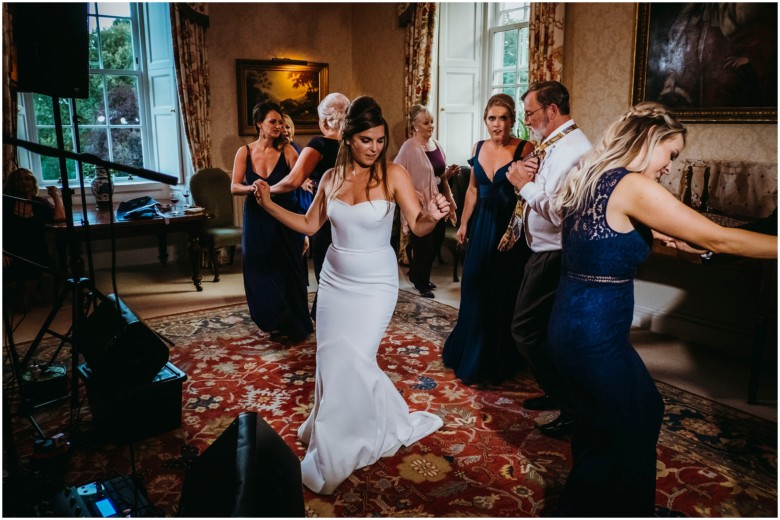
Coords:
459,84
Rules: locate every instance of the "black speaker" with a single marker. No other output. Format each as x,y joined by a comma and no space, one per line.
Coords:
121,350
248,471
52,48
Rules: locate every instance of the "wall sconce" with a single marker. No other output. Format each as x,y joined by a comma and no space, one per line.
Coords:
290,61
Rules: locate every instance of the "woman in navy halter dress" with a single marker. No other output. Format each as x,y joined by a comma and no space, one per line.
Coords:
613,208
274,266
480,348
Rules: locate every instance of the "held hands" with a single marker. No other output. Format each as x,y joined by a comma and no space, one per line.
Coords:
521,173
308,185
262,193
680,245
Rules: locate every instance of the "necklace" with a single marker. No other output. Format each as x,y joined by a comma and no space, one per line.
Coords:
426,145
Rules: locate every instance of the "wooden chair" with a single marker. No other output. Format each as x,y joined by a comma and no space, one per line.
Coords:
458,185
210,189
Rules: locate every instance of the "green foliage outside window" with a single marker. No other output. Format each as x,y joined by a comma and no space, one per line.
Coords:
109,119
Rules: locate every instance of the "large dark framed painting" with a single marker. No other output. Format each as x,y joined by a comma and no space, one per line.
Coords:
298,86
708,62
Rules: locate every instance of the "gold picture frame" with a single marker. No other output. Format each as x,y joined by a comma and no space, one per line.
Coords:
709,63
298,86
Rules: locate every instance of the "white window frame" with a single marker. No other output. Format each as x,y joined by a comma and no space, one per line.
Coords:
28,130
492,28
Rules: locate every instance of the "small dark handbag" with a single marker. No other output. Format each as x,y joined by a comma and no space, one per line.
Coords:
138,208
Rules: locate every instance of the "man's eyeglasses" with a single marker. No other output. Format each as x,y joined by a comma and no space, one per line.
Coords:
529,114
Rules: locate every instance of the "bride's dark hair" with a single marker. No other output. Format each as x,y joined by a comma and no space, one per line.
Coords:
363,114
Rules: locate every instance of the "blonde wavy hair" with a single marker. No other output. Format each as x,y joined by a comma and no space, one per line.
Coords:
636,132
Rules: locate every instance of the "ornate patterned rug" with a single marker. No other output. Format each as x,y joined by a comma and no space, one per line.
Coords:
488,460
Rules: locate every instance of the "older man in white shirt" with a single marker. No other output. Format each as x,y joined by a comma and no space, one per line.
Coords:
538,181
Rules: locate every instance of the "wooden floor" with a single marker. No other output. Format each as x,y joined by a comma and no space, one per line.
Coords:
153,290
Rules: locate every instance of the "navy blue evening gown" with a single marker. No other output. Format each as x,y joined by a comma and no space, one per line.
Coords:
480,348
274,267
617,407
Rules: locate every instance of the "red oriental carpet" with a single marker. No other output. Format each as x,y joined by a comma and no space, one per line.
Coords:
488,459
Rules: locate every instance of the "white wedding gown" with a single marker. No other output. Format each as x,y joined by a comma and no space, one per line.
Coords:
358,415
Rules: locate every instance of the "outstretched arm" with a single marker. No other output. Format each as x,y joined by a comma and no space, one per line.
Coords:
645,200
307,224
307,160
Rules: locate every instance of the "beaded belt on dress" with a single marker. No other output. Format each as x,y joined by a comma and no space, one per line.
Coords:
596,278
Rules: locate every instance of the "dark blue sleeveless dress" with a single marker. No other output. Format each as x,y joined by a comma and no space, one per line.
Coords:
274,268
617,407
480,348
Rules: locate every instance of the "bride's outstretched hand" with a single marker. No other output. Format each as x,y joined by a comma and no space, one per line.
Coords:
262,192
438,207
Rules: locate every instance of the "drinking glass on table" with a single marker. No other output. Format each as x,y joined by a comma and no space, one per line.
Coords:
174,196
185,192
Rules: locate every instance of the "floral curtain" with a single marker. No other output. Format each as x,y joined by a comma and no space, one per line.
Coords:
189,22
545,38
9,94
420,21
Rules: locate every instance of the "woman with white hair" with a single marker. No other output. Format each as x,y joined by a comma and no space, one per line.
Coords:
317,157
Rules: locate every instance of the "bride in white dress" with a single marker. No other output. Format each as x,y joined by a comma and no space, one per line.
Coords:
358,415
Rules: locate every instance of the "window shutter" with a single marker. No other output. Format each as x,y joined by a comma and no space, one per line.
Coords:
163,104
460,114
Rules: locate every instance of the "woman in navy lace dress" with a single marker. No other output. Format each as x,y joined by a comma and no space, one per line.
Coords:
613,205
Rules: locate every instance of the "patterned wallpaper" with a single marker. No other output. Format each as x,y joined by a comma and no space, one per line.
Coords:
363,46
378,64
598,70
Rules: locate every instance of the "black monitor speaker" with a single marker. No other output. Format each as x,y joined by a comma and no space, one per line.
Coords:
248,471
122,352
52,48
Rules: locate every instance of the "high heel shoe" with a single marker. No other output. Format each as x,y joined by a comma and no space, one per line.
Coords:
426,293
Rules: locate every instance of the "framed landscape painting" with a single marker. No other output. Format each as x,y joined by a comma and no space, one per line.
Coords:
708,62
298,86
